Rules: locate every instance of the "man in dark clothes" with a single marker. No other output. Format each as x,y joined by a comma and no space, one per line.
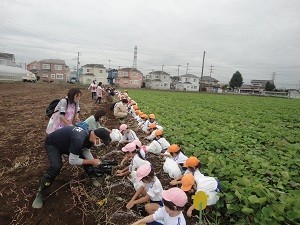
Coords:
75,142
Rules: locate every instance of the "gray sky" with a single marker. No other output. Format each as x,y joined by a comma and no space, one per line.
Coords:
255,37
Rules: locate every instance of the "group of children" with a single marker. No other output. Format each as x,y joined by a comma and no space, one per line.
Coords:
163,206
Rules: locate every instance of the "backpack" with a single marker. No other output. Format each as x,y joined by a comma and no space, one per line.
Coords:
51,107
112,106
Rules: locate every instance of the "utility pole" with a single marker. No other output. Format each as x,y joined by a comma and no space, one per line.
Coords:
187,68
274,77
200,85
178,66
211,69
162,67
78,62
135,58
109,64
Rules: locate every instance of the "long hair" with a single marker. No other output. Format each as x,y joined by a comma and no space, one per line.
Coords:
99,114
72,93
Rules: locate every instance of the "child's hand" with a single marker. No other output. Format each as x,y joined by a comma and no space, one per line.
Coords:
189,212
130,205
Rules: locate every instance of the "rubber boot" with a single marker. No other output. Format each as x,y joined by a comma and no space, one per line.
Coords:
39,198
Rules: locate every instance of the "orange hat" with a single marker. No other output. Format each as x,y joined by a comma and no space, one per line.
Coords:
152,125
192,161
138,112
152,116
135,107
144,116
187,182
173,148
158,133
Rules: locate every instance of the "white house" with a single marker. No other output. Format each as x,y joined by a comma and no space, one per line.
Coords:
92,72
188,82
158,80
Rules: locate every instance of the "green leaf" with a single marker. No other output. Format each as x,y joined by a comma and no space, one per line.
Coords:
247,210
253,199
238,195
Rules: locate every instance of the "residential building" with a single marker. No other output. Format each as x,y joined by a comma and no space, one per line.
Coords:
158,80
50,70
7,59
92,72
209,83
188,82
129,78
112,74
256,86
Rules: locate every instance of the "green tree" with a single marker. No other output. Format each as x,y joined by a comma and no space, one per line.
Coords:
270,86
236,80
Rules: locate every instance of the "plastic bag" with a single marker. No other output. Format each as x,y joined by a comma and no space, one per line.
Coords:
115,135
154,147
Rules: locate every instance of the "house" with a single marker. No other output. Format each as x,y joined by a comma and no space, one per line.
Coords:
7,59
209,83
112,74
129,78
50,70
256,86
158,80
188,82
92,72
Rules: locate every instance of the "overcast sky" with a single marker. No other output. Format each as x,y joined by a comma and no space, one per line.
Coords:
256,37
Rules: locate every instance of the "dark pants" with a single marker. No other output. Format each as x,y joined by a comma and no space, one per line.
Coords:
98,100
55,161
94,95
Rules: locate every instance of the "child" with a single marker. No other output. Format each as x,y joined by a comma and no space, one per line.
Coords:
177,154
143,123
174,201
151,189
208,185
193,165
152,129
133,154
94,121
161,140
128,135
99,93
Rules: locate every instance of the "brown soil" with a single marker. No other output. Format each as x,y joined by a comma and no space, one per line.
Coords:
72,199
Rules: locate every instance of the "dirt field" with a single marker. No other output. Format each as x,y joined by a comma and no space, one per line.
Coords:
72,199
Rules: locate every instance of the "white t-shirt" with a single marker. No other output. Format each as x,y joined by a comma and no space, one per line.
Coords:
130,137
197,174
209,186
163,217
180,158
154,189
163,143
136,162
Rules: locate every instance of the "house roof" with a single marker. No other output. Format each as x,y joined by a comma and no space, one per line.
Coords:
209,79
94,65
56,61
4,55
189,76
130,69
32,62
246,86
160,73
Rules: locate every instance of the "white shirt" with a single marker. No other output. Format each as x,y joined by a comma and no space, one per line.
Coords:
197,174
209,186
136,162
130,137
161,215
163,143
180,158
154,189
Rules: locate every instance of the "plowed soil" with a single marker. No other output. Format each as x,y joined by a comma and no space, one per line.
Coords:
72,199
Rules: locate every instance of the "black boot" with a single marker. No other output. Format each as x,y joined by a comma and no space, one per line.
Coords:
39,199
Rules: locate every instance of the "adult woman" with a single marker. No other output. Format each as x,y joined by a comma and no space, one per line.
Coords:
66,112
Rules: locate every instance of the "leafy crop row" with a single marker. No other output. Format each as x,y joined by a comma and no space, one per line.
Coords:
251,144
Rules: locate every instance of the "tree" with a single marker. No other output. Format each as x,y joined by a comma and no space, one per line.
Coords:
236,80
270,86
